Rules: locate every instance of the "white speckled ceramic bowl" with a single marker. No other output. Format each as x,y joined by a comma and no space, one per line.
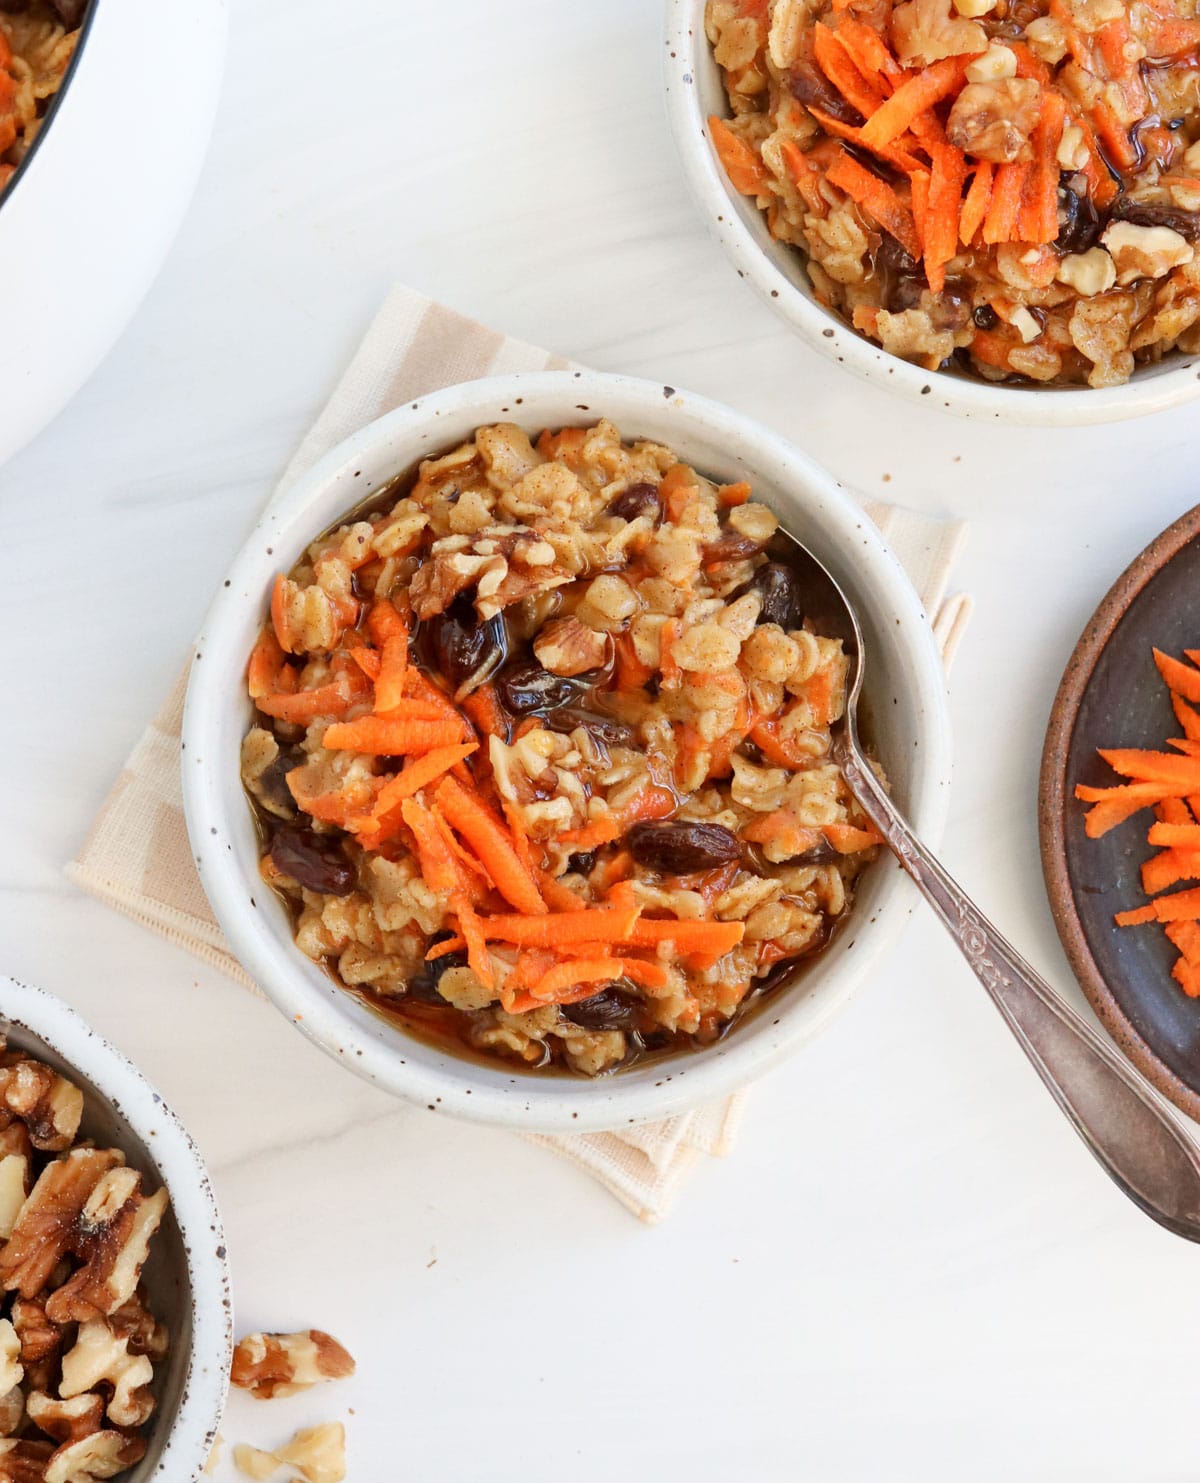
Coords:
187,1275
904,685
776,271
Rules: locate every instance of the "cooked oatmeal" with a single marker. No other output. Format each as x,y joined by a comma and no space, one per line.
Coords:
542,753
1011,186
37,42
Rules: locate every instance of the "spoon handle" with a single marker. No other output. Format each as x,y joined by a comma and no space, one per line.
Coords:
1112,1107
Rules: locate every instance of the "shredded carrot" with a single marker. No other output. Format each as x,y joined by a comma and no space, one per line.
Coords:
393,667
1154,767
599,970
1000,223
716,938
975,203
836,63
944,210
367,660
805,173
469,925
877,199
439,866
867,50
491,841
891,154
483,707
1186,937
279,595
418,773
383,736
444,949
848,840
1182,679
914,97
731,495
746,171
333,699
590,924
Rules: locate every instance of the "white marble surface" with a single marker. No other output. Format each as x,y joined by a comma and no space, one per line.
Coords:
909,1269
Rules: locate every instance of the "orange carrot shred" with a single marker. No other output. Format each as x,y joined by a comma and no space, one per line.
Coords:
876,198
491,841
746,171
384,736
913,97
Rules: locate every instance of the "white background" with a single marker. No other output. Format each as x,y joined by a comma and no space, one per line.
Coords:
909,1269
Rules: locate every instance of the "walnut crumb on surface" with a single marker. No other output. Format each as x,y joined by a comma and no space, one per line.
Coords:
272,1366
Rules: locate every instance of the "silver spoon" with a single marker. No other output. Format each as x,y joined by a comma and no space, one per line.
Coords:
1111,1106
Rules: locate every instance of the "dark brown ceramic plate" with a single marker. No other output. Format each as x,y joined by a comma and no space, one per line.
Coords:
1112,696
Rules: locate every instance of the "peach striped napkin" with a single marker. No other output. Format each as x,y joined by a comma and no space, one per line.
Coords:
137,856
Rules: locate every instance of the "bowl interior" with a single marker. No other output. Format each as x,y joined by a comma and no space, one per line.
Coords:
776,271
192,1374
904,686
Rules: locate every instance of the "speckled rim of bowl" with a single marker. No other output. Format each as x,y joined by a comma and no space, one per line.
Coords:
775,271
169,1146
224,839
1054,798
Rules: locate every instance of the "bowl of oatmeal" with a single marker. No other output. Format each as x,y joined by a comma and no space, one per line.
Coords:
507,751
117,1338
968,201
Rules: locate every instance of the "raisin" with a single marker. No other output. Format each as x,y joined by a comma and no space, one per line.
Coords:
610,1009
465,648
526,687
682,848
1141,214
314,863
637,500
807,86
985,317
779,588
601,728
423,986
1078,221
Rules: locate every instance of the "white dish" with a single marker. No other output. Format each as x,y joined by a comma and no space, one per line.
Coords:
776,271
187,1275
905,683
86,221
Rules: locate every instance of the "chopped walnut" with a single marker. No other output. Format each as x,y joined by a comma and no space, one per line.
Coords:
11,1370
104,1454
255,1463
45,1228
40,1339
1145,252
993,120
273,1365
66,1420
16,1163
101,1356
24,1462
115,1229
48,1104
567,647
925,31
319,1453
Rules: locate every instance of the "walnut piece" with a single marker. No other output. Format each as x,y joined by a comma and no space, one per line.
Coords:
1145,252
45,1228
319,1453
101,1356
993,120
48,1104
925,31
271,1366
104,1454
255,1463
66,1420
567,647
115,1228
24,1462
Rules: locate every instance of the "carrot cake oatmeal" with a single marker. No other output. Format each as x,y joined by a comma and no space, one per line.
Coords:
1012,186
541,755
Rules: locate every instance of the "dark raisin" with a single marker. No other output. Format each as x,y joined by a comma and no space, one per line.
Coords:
610,1009
582,863
526,687
465,648
637,500
807,86
1142,214
779,588
602,728
70,12
423,986
820,854
316,864
271,787
985,317
950,309
731,547
1078,221
682,848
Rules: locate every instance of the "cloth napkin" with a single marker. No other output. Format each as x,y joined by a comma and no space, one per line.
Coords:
137,857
